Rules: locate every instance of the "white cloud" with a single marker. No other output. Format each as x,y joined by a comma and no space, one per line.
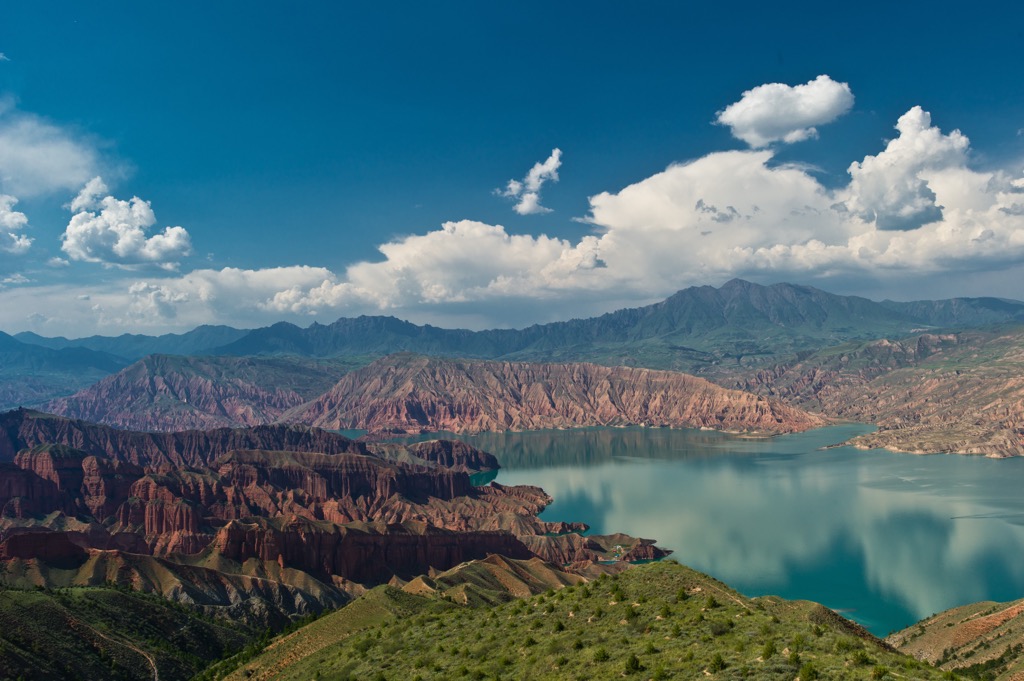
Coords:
778,112
527,192
4,57
445,266
38,157
11,223
113,232
892,188
731,213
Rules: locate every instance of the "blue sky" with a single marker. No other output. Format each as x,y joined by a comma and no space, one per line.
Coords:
307,159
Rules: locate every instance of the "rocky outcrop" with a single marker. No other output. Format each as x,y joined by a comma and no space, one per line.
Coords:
367,553
568,549
451,454
408,393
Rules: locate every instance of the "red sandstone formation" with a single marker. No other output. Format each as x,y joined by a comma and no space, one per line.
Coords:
21,428
408,393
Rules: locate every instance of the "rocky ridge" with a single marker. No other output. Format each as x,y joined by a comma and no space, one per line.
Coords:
411,393
260,533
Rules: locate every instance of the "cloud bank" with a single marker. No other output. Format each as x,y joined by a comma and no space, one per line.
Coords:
527,192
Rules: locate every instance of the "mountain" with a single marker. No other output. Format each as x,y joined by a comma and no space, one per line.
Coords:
960,312
412,393
651,621
30,375
199,340
166,392
697,329
955,392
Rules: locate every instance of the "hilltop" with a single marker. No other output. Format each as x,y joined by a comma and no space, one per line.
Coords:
654,621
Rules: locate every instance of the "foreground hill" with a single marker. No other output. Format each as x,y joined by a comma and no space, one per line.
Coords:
982,638
958,392
166,392
653,621
410,393
105,633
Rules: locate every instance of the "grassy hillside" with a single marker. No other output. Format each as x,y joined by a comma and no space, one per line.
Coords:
105,633
656,621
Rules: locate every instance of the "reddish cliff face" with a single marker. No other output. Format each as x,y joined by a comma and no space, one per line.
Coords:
367,553
295,518
405,393
22,429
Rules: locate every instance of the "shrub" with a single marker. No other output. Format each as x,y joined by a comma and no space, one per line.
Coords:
717,663
601,655
633,664
808,672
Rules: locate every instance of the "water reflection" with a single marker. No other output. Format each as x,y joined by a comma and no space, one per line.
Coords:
888,538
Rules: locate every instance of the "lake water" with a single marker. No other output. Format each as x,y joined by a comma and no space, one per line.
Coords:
886,539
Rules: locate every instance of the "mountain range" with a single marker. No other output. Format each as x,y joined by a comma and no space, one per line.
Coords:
694,329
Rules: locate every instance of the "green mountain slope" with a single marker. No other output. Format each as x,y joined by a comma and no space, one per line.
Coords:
104,633
655,621
984,640
134,346
30,375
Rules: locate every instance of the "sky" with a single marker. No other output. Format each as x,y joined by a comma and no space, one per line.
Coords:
478,165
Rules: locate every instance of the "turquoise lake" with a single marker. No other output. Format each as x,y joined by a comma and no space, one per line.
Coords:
884,538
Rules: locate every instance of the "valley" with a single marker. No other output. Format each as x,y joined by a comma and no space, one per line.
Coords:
215,480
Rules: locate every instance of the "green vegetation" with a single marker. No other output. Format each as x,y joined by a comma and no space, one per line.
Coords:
609,628
106,633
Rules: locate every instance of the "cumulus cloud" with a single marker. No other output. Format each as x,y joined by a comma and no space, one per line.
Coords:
527,192
445,266
111,231
778,112
38,157
727,214
892,189
915,212
11,224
